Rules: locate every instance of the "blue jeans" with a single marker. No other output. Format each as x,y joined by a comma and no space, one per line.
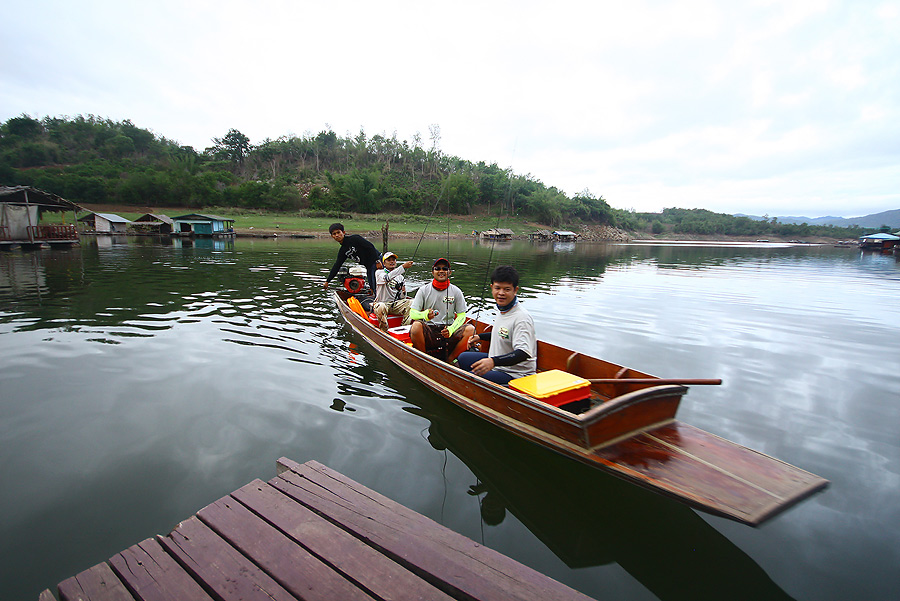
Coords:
466,359
370,275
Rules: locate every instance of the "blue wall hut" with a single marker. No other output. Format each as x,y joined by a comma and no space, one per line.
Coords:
879,241
197,224
564,235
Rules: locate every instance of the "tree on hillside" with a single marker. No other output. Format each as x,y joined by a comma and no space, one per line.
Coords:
234,147
24,127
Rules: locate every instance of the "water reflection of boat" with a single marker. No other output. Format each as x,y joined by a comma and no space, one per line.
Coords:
587,518
629,429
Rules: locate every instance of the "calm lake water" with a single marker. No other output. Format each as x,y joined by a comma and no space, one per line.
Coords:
140,381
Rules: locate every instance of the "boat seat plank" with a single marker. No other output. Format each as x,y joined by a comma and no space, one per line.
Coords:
153,575
458,565
682,462
223,569
98,582
776,477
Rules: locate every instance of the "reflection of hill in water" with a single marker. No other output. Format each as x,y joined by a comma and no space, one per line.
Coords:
588,518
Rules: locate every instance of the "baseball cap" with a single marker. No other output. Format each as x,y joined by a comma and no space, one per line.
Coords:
388,254
441,260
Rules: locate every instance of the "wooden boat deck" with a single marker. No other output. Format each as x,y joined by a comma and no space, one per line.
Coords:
309,533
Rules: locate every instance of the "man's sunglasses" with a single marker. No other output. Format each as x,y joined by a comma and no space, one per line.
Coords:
440,269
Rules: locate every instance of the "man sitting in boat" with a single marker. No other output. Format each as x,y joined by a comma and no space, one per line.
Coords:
513,349
443,306
390,293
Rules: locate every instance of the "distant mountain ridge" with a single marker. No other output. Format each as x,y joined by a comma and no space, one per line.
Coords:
889,218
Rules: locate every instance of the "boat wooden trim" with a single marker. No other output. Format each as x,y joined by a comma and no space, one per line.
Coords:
631,431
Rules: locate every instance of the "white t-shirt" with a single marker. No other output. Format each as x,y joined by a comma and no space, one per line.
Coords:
514,330
387,284
447,302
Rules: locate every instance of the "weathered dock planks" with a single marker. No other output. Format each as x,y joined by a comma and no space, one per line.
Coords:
313,534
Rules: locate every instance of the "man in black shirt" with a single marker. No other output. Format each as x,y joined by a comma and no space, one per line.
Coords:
353,247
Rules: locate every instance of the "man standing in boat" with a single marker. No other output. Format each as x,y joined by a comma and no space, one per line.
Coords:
390,295
513,349
443,307
356,248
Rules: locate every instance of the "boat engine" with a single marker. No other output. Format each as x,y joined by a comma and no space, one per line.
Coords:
353,278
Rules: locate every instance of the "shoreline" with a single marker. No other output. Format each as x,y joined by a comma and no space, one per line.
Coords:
587,233
619,237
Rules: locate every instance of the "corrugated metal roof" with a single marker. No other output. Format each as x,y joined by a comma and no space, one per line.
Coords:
112,217
150,217
880,237
201,216
36,196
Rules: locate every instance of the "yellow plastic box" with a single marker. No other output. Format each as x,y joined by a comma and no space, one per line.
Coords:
555,387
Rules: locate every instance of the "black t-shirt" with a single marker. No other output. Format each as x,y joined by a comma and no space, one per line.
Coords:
356,248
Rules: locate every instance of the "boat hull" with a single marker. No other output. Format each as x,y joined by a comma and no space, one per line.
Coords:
633,435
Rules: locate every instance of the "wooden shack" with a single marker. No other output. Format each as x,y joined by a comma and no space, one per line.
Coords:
105,223
499,233
153,223
540,235
21,209
197,224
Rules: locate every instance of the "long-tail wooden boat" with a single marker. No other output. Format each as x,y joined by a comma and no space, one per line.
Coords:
629,430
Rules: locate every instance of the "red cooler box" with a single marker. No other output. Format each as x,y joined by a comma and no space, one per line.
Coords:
393,320
401,333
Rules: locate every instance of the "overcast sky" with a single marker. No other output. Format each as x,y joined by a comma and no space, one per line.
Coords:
763,107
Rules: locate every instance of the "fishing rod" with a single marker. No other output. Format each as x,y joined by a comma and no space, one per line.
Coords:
487,270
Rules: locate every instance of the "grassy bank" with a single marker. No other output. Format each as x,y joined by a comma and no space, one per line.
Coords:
264,222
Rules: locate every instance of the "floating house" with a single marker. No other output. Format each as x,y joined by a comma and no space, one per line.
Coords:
105,223
540,235
197,224
152,223
21,208
497,234
878,241
565,236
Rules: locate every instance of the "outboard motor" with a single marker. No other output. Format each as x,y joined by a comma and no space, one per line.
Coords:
353,278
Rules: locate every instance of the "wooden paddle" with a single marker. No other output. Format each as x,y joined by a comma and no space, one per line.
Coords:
685,381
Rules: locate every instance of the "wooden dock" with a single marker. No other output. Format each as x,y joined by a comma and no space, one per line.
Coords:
309,533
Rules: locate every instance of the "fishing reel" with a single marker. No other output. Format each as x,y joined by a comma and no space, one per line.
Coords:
353,278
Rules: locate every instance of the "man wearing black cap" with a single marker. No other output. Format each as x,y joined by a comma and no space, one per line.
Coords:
443,307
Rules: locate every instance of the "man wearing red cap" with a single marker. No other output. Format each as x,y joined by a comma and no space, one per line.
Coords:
443,307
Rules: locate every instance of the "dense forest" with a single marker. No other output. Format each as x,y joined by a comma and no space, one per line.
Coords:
95,160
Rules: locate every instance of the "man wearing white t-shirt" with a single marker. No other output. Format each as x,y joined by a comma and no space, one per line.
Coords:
439,309
513,349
